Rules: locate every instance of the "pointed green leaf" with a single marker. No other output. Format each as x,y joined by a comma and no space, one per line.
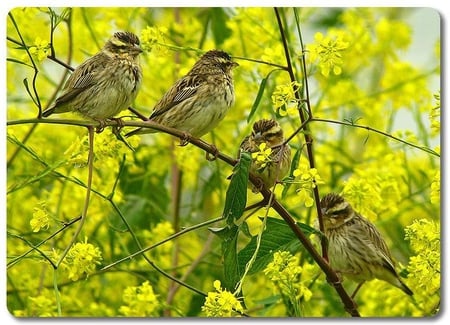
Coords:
231,269
19,62
236,198
231,272
255,105
259,95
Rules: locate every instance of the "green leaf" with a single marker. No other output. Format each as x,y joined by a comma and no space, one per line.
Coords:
19,62
235,202
229,235
231,269
259,95
255,105
219,26
277,236
294,165
236,198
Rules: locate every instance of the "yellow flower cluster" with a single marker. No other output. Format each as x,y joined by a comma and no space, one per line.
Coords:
81,260
221,303
42,305
425,267
41,218
262,157
140,301
328,51
366,188
435,195
284,271
308,179
153,38
284,99
40,50
435,115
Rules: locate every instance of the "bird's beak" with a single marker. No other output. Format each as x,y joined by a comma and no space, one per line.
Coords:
234,64
324,211
137,49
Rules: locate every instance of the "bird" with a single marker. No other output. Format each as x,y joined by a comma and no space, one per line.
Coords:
356,249
198,101
277,166
106,83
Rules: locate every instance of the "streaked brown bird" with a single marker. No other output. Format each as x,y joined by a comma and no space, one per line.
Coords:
268,131
106,83
356,248
197,102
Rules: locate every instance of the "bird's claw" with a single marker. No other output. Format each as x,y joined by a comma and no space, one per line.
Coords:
101,126
213,155
185,139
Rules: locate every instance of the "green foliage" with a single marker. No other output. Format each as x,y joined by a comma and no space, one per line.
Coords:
277,237
362,119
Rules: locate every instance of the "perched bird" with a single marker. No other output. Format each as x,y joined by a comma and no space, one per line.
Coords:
279,161
106,83
356,249
197,102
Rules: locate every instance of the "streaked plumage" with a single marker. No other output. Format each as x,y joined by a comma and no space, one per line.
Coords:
197,102
356,248
106,83
268,131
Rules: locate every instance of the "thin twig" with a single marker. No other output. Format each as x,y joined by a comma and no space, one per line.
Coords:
35,247
87,198
303,119
368,128
175,235
349,305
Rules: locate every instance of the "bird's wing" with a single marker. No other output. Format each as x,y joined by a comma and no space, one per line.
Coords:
381,249
183,89
82,78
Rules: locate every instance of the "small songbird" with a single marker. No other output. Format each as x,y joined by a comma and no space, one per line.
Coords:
279,162
197,102
106,83
356,248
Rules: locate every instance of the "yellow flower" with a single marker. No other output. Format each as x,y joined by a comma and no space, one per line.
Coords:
82,259
221,303
435,116
435,195
329,53
41,219
140,301
284,271
153,37
284,99
308,179
262,157
40,49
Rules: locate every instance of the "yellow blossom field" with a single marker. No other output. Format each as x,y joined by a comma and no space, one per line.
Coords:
164,224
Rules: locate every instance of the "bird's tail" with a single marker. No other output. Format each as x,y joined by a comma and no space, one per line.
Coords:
404,288
48,112
134,132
